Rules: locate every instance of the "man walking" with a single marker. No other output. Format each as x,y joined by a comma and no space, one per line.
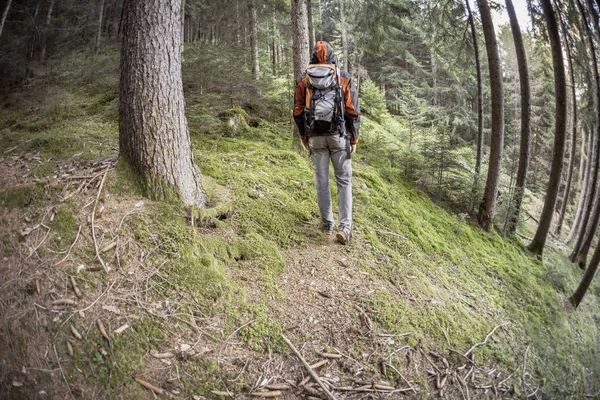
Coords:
327,114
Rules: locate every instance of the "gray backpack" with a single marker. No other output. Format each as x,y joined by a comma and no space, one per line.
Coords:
323,100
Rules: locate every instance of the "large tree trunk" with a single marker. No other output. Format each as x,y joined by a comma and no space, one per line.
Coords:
560,94
524,151
567,191
46,32
592,192
254,39
100,17
479,151
4,15
488,203
301,51
344,36
153,132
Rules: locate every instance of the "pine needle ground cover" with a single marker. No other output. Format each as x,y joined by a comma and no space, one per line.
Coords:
194,302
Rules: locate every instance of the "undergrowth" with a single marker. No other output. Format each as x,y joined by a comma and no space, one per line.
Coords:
454,283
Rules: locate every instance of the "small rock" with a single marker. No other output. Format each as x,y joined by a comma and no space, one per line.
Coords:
185,347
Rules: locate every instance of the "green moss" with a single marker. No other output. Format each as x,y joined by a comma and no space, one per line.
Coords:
65,227
22,196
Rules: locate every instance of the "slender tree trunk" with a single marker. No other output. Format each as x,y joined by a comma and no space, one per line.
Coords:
254,39
586,281
567,192
525,145
35,34
274,44
434,79
479,152
311,28
488,203
344,36
581,251
560,93
586,218
100,18
4,15
46,31
153,132
584,197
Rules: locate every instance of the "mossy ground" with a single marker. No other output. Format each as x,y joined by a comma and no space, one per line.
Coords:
226,277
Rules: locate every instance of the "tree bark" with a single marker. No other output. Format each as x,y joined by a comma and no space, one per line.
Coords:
488,203
592,193
479,151
567,191
153,132
344,37
254,40
586,280
46,32
311,24
560,94
525,145
100,17
582,247
4,15
585,189
301,50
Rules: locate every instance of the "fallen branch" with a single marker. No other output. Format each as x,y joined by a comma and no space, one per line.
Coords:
70,248
312,373
93,216
485,341
152,387
391,234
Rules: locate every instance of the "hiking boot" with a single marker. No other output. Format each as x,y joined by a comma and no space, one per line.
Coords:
344,236
328,230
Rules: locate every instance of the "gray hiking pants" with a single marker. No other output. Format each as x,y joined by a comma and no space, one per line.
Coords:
322,149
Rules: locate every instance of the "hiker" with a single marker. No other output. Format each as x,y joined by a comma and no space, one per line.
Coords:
327,114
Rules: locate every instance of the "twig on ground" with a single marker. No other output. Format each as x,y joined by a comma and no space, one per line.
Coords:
525,367
245,324
62,372
93,216
402,376
152,387
312,373
42,242
70,248
391,234
486,339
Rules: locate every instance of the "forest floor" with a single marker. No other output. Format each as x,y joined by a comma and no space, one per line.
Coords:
156,300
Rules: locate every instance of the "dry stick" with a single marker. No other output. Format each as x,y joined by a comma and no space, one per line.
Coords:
312,373
70,248
93,215
485,341
525,367
62,372
42,242
152,387
402,376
